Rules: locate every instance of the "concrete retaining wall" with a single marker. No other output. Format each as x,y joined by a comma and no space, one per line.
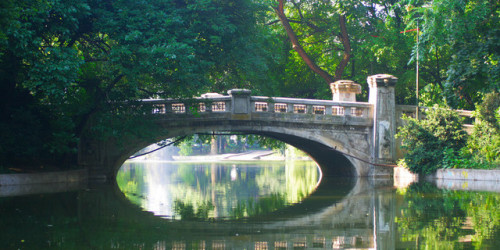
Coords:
453,179
488,186
467,179
467,174
39,178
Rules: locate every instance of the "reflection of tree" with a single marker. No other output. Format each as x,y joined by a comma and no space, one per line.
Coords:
264,205
130,180
300,180
186,211
443,219
201,190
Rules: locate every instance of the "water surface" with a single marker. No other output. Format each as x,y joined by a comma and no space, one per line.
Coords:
339,213
222,190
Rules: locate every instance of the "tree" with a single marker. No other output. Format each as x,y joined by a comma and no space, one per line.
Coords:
466,36
326,41
65,65
343,36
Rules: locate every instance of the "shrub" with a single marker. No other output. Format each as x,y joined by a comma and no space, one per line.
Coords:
484,143
429,141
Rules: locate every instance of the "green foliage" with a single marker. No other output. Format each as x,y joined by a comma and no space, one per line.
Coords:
488,110
64,65
431,142
484,143
467,32
200,144
187,211
438,219
186,148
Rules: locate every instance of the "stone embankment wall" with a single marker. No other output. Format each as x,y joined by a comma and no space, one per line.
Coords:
42,183
39,178
468,179
454,179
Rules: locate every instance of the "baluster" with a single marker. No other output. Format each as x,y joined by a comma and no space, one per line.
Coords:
227,106
328,110
347,111
365,112
309,109
168,108
270,107
208,107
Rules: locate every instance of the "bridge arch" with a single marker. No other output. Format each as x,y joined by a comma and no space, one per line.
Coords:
321,146
361,134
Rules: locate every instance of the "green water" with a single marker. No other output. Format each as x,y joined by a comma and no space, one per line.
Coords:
249,206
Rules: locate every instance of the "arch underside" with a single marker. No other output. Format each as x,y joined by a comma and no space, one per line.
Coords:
330,146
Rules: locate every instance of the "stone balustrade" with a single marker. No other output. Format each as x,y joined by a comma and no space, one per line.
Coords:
260,104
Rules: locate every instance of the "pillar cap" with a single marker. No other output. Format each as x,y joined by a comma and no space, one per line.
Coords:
210,95
382,80
239,92
345,86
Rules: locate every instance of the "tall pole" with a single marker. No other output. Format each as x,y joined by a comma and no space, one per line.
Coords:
417,69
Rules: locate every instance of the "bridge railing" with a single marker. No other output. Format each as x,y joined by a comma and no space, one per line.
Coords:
309,106
198,105
411,111
260,104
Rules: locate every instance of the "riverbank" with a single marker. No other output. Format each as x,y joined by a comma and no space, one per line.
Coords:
80,175
42,183
254,155
453,179
263,155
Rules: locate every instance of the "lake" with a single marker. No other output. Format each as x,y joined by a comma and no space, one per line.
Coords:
249,205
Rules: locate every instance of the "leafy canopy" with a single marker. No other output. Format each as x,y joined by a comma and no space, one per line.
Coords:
65,64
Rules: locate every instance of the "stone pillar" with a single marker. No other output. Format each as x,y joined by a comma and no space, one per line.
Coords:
240,104
384,119
345,90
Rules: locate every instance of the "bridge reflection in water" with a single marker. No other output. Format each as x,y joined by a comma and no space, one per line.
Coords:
341,213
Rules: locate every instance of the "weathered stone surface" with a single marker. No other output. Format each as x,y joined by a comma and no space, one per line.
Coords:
356,133
468,174
39,178
240,101
345,90
384,118
382,80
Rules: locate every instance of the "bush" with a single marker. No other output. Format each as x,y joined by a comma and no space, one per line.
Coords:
484,143
430,141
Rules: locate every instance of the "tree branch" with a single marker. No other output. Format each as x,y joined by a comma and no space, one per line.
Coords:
296,44
344,37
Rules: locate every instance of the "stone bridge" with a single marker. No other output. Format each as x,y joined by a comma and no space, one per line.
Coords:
345,137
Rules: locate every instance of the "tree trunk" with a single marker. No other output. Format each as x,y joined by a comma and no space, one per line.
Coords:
344,37
213,146
297,47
